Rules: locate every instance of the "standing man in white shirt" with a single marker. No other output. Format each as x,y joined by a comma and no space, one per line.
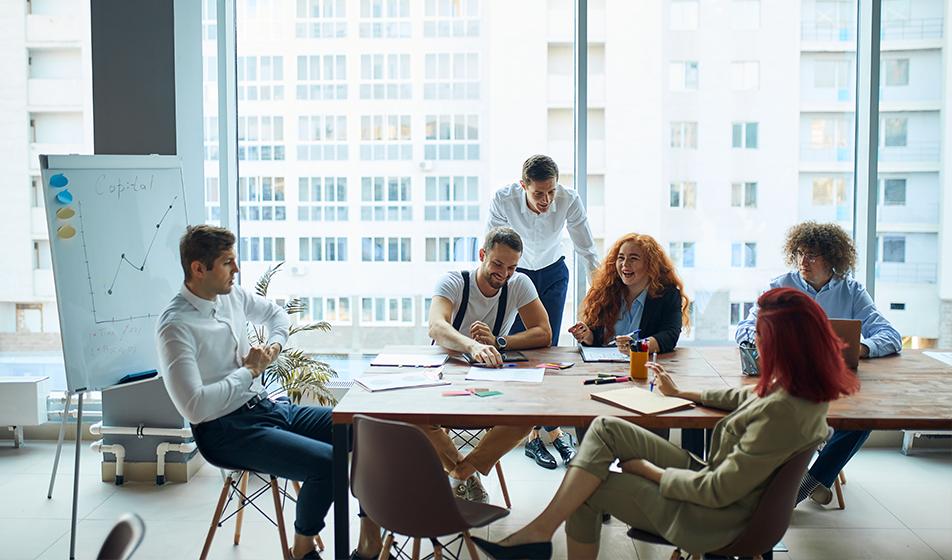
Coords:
538,208
212,373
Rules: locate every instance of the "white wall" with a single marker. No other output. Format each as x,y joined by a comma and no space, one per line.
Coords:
55,64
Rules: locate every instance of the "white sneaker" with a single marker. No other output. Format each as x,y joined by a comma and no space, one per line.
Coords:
475,492
822,495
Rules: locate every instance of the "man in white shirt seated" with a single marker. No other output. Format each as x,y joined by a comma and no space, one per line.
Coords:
212,373
464,306
539,208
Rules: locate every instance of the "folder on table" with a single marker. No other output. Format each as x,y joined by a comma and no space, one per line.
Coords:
389,382
638,400
409,360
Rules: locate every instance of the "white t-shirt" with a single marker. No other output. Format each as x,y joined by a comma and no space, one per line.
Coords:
482,308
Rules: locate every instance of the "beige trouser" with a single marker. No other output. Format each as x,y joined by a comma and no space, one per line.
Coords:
630,498
495,443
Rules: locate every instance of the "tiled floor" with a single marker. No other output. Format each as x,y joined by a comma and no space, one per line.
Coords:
898,507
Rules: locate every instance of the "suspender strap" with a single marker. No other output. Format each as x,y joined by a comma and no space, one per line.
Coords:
463,304
501,310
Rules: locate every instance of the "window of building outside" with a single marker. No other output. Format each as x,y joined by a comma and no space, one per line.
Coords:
745,75
744,195
744,135
739,311
684,135
683,194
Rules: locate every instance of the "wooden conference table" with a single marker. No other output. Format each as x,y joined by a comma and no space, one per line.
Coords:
908,391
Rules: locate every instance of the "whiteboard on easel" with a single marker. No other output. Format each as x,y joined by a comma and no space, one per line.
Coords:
114,224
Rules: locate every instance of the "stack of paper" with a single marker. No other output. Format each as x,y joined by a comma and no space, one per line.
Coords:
638,400
526,375
409,360
388,381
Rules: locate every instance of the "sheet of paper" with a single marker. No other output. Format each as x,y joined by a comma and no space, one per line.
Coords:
600,354
409,360
525,375
944,357
387,382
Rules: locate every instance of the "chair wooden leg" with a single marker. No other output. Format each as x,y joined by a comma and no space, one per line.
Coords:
437,551
319,542
279,514
385,549
416,549
470,545
218,509
297,487
241,510
837,487
842,478
502,485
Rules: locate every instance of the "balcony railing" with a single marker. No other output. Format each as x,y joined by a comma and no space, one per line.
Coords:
827,31
911,29
908,273
912,151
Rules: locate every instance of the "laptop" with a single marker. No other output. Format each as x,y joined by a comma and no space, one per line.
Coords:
849,332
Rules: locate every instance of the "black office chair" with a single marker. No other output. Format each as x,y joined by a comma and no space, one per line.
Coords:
124,538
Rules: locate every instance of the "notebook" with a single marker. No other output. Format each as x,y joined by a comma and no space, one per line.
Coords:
638,400
849,331
602,354
389,381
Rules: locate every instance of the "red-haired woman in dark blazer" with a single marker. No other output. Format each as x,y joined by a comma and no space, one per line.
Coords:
635,289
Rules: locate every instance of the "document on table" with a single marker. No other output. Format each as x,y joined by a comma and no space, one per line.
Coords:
409,360
525,375
944,357
638,400
389,381
602,354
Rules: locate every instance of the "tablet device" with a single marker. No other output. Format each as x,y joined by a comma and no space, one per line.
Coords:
508,356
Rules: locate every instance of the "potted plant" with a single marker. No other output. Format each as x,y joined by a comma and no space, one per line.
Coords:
296,373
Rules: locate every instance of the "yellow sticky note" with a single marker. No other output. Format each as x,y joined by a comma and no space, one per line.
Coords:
65,232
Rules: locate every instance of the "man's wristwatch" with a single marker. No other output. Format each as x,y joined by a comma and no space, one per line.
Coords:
501,342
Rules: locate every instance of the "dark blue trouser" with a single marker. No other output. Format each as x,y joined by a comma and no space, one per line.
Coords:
836,453
552,283
281,439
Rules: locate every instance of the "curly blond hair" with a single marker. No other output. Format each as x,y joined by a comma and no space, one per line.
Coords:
829,241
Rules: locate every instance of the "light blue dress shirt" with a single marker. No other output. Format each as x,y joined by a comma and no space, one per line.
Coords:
840,298
629,316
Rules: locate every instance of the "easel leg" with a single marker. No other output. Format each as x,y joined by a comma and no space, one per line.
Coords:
59,444
79,443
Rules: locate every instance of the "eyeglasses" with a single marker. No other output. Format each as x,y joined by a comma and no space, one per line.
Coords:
809,257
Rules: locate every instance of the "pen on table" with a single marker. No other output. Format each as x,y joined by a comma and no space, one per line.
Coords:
606,380
654,360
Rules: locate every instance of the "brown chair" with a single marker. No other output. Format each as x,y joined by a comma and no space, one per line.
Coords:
401,485
123,539
770,519
470,437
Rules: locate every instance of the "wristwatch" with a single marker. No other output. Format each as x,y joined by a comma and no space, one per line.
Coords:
501,342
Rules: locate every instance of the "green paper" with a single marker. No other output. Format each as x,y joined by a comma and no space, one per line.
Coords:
488,393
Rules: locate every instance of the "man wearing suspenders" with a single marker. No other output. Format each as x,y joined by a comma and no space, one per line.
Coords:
464,306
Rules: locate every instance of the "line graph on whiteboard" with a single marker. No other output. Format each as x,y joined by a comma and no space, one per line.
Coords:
128,262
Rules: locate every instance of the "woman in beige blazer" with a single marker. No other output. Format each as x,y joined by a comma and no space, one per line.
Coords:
664,489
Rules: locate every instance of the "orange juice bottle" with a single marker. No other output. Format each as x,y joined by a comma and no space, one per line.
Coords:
636,365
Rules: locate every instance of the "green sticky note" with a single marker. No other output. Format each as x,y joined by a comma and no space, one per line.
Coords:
488,393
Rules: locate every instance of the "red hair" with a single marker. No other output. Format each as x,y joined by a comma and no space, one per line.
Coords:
799,350
600,307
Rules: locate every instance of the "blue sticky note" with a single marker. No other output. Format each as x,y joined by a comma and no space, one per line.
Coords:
64,197
59,180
